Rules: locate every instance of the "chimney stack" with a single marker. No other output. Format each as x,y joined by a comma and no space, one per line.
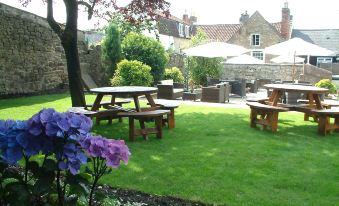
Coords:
244,17
185,18
286,19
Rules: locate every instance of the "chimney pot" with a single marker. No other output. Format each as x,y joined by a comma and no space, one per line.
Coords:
244,17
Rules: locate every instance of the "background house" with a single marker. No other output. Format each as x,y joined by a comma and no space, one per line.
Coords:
327,38
175,33
252,32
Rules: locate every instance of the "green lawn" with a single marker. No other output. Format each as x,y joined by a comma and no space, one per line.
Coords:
215,157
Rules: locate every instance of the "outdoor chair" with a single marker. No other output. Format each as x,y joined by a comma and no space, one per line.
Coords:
238,87
169,91
218,94
252,86
212,82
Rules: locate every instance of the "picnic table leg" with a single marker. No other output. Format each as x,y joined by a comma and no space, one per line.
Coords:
150,100
253,118
336,123
171,119
317,101
96,104
142,126
158,124
136,103
274,121
131,128
322,122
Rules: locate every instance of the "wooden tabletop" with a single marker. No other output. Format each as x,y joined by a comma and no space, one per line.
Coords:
131,90
296,88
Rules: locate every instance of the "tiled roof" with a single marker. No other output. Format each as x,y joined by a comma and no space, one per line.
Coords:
220,32
168,27
223,32
170,17
327,38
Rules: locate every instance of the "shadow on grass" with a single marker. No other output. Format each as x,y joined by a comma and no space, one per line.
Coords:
31,100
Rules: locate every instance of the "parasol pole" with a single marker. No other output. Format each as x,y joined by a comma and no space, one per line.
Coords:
293,67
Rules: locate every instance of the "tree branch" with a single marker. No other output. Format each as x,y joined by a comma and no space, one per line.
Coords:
89,7
51,21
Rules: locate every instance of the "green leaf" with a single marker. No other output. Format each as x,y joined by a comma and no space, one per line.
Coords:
42,187
50,165
17,194
12,172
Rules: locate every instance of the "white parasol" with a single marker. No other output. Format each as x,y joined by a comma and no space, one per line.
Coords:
215,49
244,59
287,59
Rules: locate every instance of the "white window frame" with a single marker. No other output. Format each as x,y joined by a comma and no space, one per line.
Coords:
256,38
187,31
181,30
258,52
324,60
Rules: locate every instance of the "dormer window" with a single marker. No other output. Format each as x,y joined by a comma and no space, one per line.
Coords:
255,40
187,31
181,30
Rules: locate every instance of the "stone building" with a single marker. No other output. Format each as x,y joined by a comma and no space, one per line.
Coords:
252,32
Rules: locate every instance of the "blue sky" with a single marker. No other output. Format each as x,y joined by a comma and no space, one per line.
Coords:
307,14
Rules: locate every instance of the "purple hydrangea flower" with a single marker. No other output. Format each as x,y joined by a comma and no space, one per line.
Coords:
10,148
71,158
113,151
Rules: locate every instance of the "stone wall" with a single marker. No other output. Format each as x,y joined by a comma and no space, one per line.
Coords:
32,59
275,72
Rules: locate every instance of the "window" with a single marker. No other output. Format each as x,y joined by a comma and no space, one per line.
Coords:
181,30
258,55
324,60
187,31
255,41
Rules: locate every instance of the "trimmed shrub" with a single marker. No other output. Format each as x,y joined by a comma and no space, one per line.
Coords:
132,73
200,68
147,50
326,83
175,74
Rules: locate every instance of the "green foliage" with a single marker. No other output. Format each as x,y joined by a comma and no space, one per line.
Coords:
132,73
200,68
199,38
326,83
125,26
111,50
147,50
175,74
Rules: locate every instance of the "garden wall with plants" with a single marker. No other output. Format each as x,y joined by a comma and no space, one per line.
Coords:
32,59
275,72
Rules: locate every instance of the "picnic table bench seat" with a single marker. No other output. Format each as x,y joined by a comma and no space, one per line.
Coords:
157,115
99,115
268,115
260,100
324,120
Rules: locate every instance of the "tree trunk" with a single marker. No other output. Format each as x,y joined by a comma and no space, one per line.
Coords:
74,72
69,41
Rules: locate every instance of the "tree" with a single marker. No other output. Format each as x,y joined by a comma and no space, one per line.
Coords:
135,11
125,27
147,50
111,50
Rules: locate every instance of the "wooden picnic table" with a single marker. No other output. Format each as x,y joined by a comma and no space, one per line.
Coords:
312,93
131,91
